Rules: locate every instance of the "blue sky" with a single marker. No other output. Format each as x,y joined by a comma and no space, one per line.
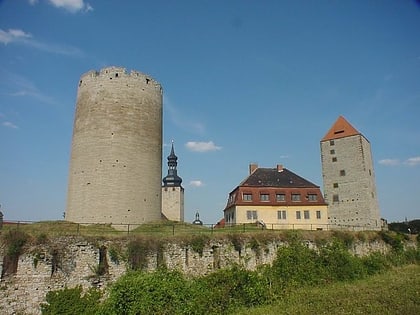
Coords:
244,81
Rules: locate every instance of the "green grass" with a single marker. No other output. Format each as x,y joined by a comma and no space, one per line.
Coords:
396,291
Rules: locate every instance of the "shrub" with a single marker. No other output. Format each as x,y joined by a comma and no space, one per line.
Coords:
71,301
159,292
227,289
345,236
198,242
137,251
395,240
15,240
294,265
336,263
375,263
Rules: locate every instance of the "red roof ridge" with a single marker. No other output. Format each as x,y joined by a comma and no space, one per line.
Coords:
341,128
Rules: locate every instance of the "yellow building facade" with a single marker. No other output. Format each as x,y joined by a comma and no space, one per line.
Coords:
277,199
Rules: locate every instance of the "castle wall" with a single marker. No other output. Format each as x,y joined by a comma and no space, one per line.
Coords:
349,182
74,262
116,157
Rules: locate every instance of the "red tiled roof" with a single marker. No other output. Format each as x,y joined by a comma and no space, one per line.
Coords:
341,128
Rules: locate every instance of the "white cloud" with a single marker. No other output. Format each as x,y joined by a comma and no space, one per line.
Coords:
202,146
196,183
72,5
389,162
414,161
13,35
9,124
23,38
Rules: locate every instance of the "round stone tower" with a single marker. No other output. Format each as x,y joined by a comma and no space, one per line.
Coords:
116,157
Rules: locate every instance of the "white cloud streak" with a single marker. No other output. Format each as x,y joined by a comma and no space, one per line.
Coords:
13,35
196,183
413,161
197,146
21,37
9,124
72,6
389,162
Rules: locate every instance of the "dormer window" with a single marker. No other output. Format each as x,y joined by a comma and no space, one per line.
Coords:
296,197
264,197
247,197
312,197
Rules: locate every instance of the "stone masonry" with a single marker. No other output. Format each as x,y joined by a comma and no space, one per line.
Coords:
349,179
116,157
71,261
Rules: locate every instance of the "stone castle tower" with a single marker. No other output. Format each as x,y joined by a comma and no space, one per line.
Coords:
116,154
349,179
172,191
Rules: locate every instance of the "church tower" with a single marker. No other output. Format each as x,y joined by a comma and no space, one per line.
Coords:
172,191
349,179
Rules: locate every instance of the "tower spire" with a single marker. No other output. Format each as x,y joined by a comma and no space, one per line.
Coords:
172,179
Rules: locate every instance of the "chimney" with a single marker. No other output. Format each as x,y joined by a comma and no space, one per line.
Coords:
279,168
252,168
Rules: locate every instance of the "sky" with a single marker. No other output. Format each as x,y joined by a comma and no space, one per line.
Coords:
243,82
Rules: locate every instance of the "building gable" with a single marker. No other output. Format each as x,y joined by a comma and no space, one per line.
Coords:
341,128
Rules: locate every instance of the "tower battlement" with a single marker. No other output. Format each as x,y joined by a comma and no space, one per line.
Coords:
119,73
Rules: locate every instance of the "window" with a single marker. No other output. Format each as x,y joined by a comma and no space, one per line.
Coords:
247,197
306,214
332,151
264,197
335,185
295,197
312,197
342,172
298,215
335,198
281,214
252,215
334,159
318,214
331,142
280,197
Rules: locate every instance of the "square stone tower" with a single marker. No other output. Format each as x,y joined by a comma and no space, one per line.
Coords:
172,191
349,178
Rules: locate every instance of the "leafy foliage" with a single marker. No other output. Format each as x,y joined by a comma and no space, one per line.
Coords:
71,301
159,292
163,291
198,242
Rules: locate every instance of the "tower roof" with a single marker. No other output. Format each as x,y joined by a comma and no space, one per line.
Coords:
172,179
341,128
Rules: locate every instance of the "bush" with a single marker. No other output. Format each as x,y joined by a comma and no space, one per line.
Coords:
227,289
337,264
395,240
15,240
159,292
375,263
294,265
71,301
198,242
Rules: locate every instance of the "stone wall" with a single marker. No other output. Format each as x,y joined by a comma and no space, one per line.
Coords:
72,261
116,156
349,183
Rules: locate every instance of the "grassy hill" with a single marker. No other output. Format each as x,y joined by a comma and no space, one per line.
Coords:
396,291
